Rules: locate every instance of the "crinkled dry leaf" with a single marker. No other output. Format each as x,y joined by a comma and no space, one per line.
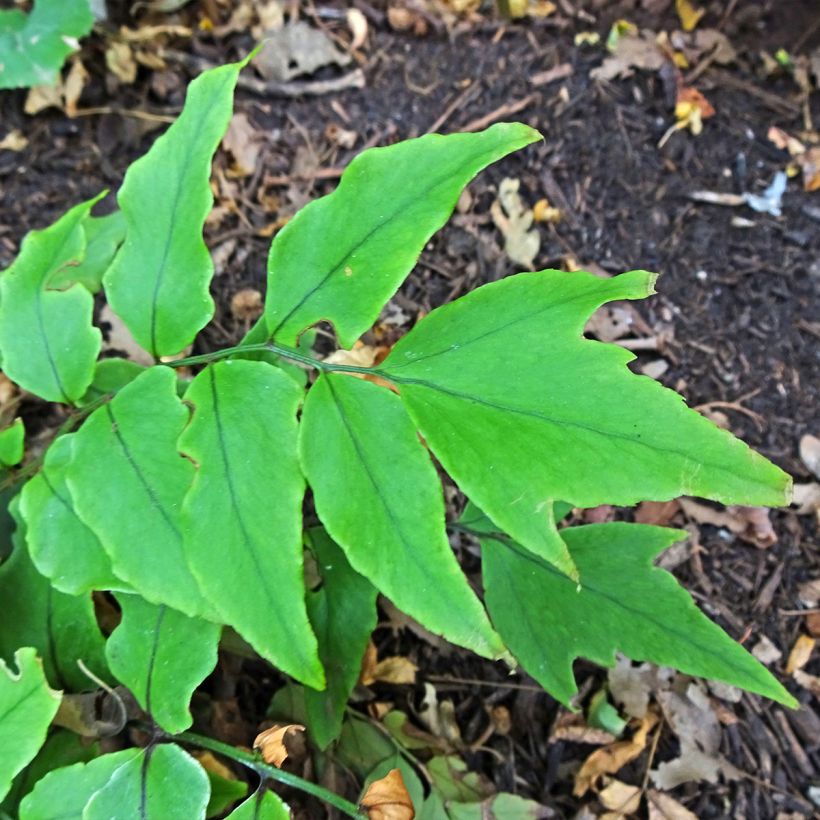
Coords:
243,142
514,220
247,304
809,592
800,654
766,652
752,524
693,765
659,513
573,728
388,799
631,51
620,798
664,807
272,743
296,49
396,670
15,140
631,686
611,759
810,453
120,62
811,683
357,23
806,497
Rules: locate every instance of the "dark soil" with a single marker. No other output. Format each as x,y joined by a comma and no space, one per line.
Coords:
739,307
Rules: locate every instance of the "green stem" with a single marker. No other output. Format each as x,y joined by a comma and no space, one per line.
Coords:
279,350
266,771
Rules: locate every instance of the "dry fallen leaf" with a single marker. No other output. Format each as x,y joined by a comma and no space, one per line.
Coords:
810,453
514,220
751,524
542,211
395,669
766,652
388,799
612,758
119,338
247,304
573,728
243,142
631,51
272,743
620,798
296,49
664,807
811,683
809,592
800,654
806,497
120,62
658,513
15,140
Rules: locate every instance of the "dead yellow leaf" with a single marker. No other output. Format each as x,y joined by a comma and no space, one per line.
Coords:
542,211
395,670
689,14
810,165
514,220
664,807
800,654
75,82
388,799
212,764
120,62
272,743
612,758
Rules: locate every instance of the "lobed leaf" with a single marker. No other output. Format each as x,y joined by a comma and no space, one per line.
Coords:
242,519
344,255
162,781
624,604
63,793
158,282
128,482
162,656
61,546
27,706
12,443
104,235
33,47
62,628
377,493
343,614
522,411
48,342
62,748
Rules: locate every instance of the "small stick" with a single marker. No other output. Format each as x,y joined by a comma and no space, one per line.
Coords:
502,111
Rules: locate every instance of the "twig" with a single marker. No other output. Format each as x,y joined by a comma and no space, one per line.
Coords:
318,173
494,684
502,111
124,112
457,103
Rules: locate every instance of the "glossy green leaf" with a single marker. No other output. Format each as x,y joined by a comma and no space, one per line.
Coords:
161,782
378,494
242,518
264,805
623,604
225,793
128,481
110,376
64,793
522,411
343,614
158,283
61,546
62,748
343,256
33,47
48,342
104,235
62,628
162,656
12,443
27,706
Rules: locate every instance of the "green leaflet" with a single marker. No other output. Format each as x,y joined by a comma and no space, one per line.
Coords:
62,628
377,493
12,442
522,411
27,706
242,518
104,235
343,614
48,343
62,748
63,793
128,482
158,282
264,805
161,782
343,256
33,47
61,546
225,793
161,655
624,604
110,375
